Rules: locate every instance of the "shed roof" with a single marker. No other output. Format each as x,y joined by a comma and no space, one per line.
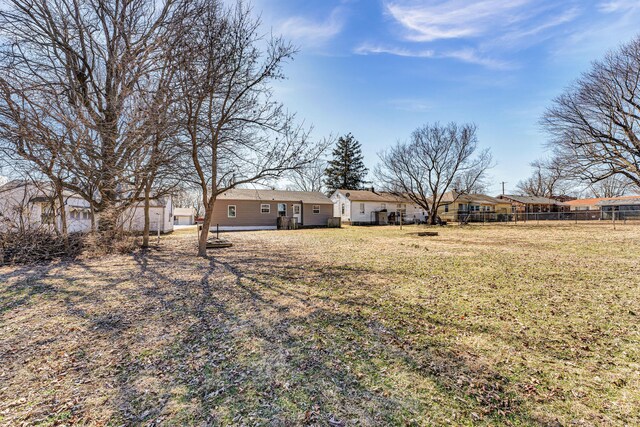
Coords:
275,195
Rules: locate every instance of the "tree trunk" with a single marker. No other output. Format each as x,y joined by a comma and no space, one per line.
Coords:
147,219
92,213
63,214
208,215
433,215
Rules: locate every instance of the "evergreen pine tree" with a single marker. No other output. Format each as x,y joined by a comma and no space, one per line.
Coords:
346,170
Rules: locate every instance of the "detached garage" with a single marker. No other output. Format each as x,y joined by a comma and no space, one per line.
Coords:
184,216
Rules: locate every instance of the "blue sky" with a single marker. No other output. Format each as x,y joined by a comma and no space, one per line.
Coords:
381,68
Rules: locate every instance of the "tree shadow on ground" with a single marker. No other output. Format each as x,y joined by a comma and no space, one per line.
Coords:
250,337
268,349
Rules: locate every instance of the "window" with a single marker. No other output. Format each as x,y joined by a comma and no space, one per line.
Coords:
231,211
446,208
282,209
296,209
343,209
316,209
265,208
86,215
361,208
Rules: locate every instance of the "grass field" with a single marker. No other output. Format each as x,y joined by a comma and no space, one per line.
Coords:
481,325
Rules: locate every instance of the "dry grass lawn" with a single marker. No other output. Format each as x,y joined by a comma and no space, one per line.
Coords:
482,325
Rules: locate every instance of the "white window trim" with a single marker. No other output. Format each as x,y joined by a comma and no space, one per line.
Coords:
318,209
235,211
262,205
362,208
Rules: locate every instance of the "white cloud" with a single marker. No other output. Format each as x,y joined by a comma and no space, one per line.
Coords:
455,19
478,32
472,56
613,6
312,33
367,49
469,55
412,105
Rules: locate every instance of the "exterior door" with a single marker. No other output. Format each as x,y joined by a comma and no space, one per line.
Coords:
297,213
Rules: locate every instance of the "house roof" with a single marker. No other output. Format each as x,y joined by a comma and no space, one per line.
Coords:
620,201
452,196
275,195
533,200
372,196
596,200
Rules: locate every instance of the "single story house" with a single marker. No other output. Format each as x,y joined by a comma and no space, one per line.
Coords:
584,204
620,208
457,206
523,206
251,209
371,207
32,205
184,216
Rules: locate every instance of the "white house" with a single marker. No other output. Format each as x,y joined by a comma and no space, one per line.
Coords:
368,206
184,216
26,205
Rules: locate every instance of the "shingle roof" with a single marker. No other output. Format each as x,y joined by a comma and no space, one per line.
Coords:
371,196
450,196
620,201
275,195
595,200
534,200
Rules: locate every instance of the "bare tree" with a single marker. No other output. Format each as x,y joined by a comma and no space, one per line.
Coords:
470,182
594,124
610,187
550,178
74,78
426,167
310,177
233,130
189,198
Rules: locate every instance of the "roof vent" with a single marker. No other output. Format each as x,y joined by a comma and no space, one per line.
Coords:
347,195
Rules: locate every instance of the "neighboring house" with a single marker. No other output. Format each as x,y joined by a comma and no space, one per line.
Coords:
584,204
28,205
250,209
594,204
530,204
473,207
184,216
621,207
366,206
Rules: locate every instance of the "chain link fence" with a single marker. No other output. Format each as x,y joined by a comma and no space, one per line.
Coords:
605,216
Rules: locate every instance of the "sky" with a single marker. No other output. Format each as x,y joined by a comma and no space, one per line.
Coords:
381,68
